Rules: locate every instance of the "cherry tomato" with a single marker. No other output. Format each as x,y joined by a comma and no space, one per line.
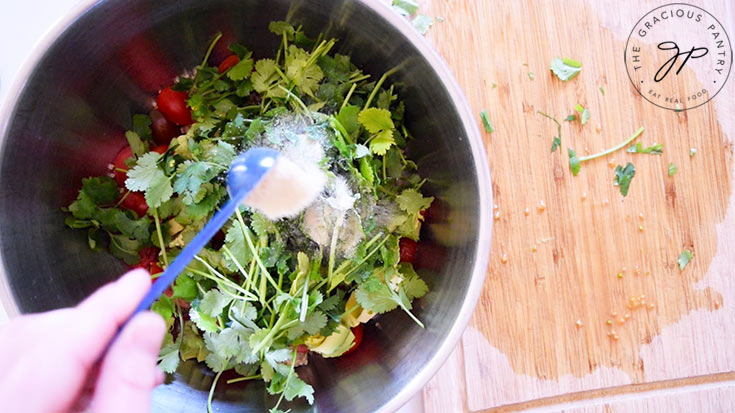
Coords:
135,201
121,167
156,269
163,129
148,257
228,63
357,331
408,249
160,149
172,105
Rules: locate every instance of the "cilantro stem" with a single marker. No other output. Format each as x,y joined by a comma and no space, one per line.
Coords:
349,95
340,128
298,100
333,249
160,235
274,330
305,298
378,85
236,261
209,50
614,148
211,391
288,378
220,279
249,241
122,199
410,314
239,379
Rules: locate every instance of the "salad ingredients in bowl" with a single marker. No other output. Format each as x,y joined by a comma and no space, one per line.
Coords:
264,295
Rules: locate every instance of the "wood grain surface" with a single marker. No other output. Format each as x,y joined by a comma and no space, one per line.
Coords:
570,253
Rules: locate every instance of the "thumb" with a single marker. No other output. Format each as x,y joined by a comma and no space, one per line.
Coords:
129,373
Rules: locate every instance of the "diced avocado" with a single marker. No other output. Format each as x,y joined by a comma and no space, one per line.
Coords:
334,345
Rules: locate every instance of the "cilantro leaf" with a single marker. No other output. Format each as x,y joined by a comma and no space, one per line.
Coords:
168,356
422,23
411,201
376,297
159,192
235,242
101,190
223,154
623,177
409,7
281,27
241,70
295,387
684,259
486,122
190,176
565,69
213,303
142,126
140,177
136,144
185,287
375,120
302,70
164,306
379,122
584,114
203,321
672,169
555,143
380,144
262,225
348,118
312,324
574,163
223,346
655,149
265,78
412,284
570,118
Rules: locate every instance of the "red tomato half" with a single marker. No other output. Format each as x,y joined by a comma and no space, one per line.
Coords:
135,201
160,149
172,105
228,63
408,249
357,331
120,167
163,129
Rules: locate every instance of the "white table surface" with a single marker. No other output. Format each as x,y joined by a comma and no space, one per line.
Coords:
22,25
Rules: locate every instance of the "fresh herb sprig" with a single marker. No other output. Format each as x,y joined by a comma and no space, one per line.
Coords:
575,162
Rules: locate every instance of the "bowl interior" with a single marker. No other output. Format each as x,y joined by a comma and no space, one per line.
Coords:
68,123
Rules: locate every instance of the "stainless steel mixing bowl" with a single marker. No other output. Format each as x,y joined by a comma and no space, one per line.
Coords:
64,121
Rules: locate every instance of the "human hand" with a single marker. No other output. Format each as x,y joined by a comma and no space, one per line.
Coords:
47,358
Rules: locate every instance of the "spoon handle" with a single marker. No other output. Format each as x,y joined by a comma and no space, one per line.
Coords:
187,254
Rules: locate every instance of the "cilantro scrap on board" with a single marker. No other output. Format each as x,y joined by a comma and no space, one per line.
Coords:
565,69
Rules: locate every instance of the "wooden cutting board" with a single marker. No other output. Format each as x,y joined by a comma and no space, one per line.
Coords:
569,253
